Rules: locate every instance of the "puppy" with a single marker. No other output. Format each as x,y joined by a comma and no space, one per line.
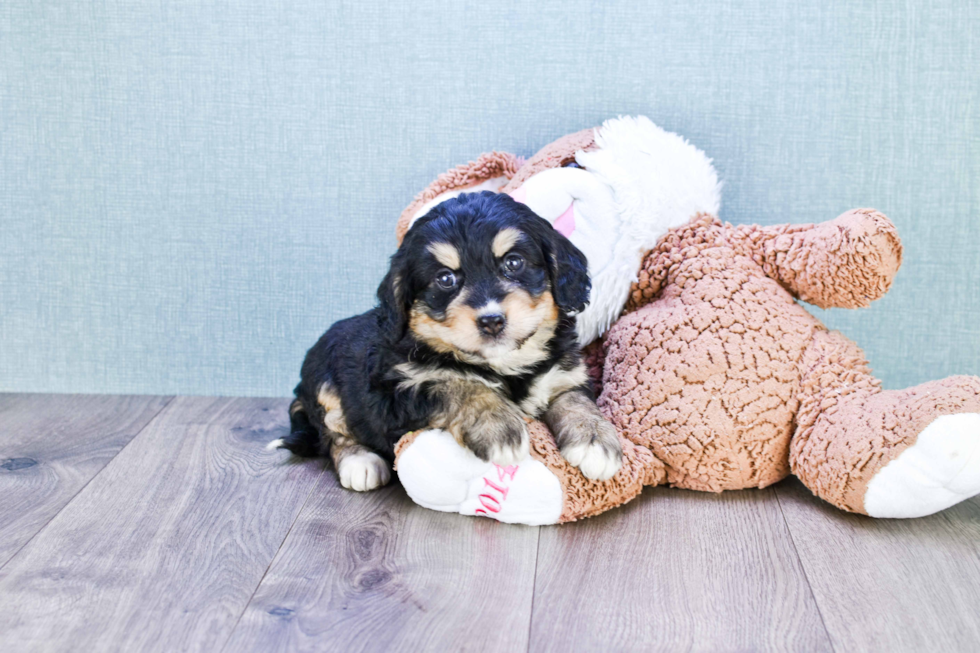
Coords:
474,332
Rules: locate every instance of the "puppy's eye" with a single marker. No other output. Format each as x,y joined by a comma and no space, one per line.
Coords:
571,164
514,262
446,279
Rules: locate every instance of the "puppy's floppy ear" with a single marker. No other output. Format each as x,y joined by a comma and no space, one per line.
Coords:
394,298
570,282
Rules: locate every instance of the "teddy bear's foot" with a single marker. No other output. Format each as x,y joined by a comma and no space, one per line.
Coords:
884,453
439,474
941,469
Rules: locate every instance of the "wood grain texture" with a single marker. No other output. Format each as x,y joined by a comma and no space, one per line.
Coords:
890,584
374,572
51,446
675,571
162,550
194,538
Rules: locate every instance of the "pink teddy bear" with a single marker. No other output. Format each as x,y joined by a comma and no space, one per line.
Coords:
715,378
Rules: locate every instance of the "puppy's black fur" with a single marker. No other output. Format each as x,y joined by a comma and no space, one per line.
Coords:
389,367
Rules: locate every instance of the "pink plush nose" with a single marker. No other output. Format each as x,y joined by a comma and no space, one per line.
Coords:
564,223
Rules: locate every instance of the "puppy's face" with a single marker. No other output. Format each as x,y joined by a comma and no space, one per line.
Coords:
482,277
486,294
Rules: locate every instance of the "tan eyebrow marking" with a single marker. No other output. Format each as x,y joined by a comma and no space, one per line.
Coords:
504,240
445,254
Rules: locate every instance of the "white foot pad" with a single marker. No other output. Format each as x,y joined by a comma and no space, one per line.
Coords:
439,474
363,471
941,469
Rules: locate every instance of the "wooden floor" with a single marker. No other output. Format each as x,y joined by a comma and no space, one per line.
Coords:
161,524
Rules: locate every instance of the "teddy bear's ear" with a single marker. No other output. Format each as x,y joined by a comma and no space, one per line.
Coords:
490,171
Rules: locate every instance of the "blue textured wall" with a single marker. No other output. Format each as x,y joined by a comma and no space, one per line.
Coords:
191,193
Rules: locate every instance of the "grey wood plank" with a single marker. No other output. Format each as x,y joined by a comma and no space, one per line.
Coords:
890,584
374,572
162,550
51,446
675,571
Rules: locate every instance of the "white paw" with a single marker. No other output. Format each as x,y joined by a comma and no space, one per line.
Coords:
594,460
363,471
941,469
502,454
275,444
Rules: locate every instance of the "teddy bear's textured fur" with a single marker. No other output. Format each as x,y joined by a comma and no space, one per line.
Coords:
717,379
731,384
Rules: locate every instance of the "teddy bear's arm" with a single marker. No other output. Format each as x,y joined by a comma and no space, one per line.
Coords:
847,262
678,244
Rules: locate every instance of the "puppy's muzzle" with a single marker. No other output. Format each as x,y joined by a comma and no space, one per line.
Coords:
491,324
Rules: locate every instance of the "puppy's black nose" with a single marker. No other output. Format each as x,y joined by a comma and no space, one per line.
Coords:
491,324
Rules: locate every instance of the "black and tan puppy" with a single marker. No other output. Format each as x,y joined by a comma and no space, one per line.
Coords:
475,330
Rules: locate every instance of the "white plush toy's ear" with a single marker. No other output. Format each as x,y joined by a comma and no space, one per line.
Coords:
637,184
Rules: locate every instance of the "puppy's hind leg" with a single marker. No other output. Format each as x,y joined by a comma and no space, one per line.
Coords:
358,467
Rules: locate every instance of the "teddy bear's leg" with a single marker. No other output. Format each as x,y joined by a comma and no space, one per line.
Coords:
439,474
896,453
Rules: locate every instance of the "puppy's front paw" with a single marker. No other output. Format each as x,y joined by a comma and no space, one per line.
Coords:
501,438
594,448
510,453
363,471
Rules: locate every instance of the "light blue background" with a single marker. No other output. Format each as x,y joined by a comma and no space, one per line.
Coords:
190,193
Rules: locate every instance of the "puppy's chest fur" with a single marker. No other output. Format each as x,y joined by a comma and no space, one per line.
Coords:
531,392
